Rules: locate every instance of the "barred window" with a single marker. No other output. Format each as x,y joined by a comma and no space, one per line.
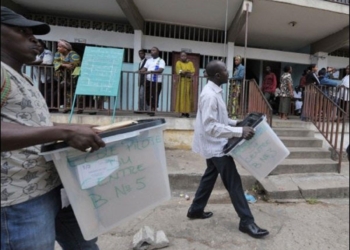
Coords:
184,32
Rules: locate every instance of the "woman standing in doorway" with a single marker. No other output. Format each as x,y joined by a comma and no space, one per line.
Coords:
185,71
286,93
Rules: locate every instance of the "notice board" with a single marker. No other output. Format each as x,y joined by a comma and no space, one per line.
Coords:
100,73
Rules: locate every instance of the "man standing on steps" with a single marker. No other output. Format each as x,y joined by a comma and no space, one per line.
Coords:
212,130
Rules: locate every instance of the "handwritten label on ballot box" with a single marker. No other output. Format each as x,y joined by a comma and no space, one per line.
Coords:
261,154
117,182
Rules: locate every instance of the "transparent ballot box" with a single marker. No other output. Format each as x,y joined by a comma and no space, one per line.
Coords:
115,183
261,154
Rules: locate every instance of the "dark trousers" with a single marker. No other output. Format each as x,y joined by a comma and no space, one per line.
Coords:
152,94
226,167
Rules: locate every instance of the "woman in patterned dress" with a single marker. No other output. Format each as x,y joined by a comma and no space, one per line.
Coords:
66,59
286,93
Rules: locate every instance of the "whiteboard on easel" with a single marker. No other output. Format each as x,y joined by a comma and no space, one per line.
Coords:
100,72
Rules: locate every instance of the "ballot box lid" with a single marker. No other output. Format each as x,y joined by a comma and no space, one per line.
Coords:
252,120
141,124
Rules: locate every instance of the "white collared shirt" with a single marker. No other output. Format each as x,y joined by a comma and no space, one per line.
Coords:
213,127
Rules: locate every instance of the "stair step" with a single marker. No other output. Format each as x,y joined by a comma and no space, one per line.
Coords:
291,166
301,141
277,123
306,186
297,132
308,153
190,181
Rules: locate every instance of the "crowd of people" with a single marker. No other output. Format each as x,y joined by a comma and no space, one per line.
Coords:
285,97
285,94
33,216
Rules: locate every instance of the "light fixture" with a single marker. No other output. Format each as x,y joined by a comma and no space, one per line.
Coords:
293,23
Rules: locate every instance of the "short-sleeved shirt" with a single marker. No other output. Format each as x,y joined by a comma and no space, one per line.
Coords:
24,173
286,79
47,59
153,64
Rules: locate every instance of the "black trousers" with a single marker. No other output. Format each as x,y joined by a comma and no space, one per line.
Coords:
152,94
226,167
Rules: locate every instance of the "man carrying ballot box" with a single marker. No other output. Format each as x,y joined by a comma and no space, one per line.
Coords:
212,130
32,217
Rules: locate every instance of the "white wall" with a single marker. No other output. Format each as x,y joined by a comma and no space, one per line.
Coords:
170,44
338,62
98,37
125,40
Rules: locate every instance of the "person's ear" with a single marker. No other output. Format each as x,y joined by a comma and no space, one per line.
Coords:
217,75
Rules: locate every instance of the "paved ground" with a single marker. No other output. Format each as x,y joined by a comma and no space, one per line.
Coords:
294,226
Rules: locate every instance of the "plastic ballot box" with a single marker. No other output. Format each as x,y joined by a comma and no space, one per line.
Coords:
261,154
115,183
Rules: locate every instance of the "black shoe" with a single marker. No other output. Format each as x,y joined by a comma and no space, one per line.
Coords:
151,114
199,215
253,230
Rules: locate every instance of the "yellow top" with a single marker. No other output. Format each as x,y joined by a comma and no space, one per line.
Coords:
187,66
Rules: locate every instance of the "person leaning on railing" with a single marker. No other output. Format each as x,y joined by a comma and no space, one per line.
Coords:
185,71
66,60
328,85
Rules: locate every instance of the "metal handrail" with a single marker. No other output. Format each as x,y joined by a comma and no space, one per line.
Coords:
254,100
329,118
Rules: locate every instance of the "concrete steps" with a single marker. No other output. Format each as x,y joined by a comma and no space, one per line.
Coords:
306,186
301,141
294,132
308,153
308,172
295,166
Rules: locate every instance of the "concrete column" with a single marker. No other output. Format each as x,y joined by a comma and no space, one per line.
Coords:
320,59
230,55
138,43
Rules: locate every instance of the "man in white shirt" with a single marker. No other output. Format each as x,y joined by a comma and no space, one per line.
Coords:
154,68
45,58
212,130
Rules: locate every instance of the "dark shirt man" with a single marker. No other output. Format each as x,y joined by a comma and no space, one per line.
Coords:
212,130
311,77
142,104
30,186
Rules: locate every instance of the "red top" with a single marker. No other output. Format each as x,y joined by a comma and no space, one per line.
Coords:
302,82
270,83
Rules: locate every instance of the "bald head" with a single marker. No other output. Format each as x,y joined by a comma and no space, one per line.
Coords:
217,72
214,67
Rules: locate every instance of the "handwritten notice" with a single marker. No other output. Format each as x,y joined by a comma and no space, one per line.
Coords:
91,173
261,154
100,72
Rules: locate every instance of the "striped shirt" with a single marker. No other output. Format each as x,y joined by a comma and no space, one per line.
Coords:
213,128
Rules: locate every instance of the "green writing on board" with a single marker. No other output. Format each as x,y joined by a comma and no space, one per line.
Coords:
100,72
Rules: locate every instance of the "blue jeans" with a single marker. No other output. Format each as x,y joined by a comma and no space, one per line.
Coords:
37,223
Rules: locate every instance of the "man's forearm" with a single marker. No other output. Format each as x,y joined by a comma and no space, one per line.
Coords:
15,136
